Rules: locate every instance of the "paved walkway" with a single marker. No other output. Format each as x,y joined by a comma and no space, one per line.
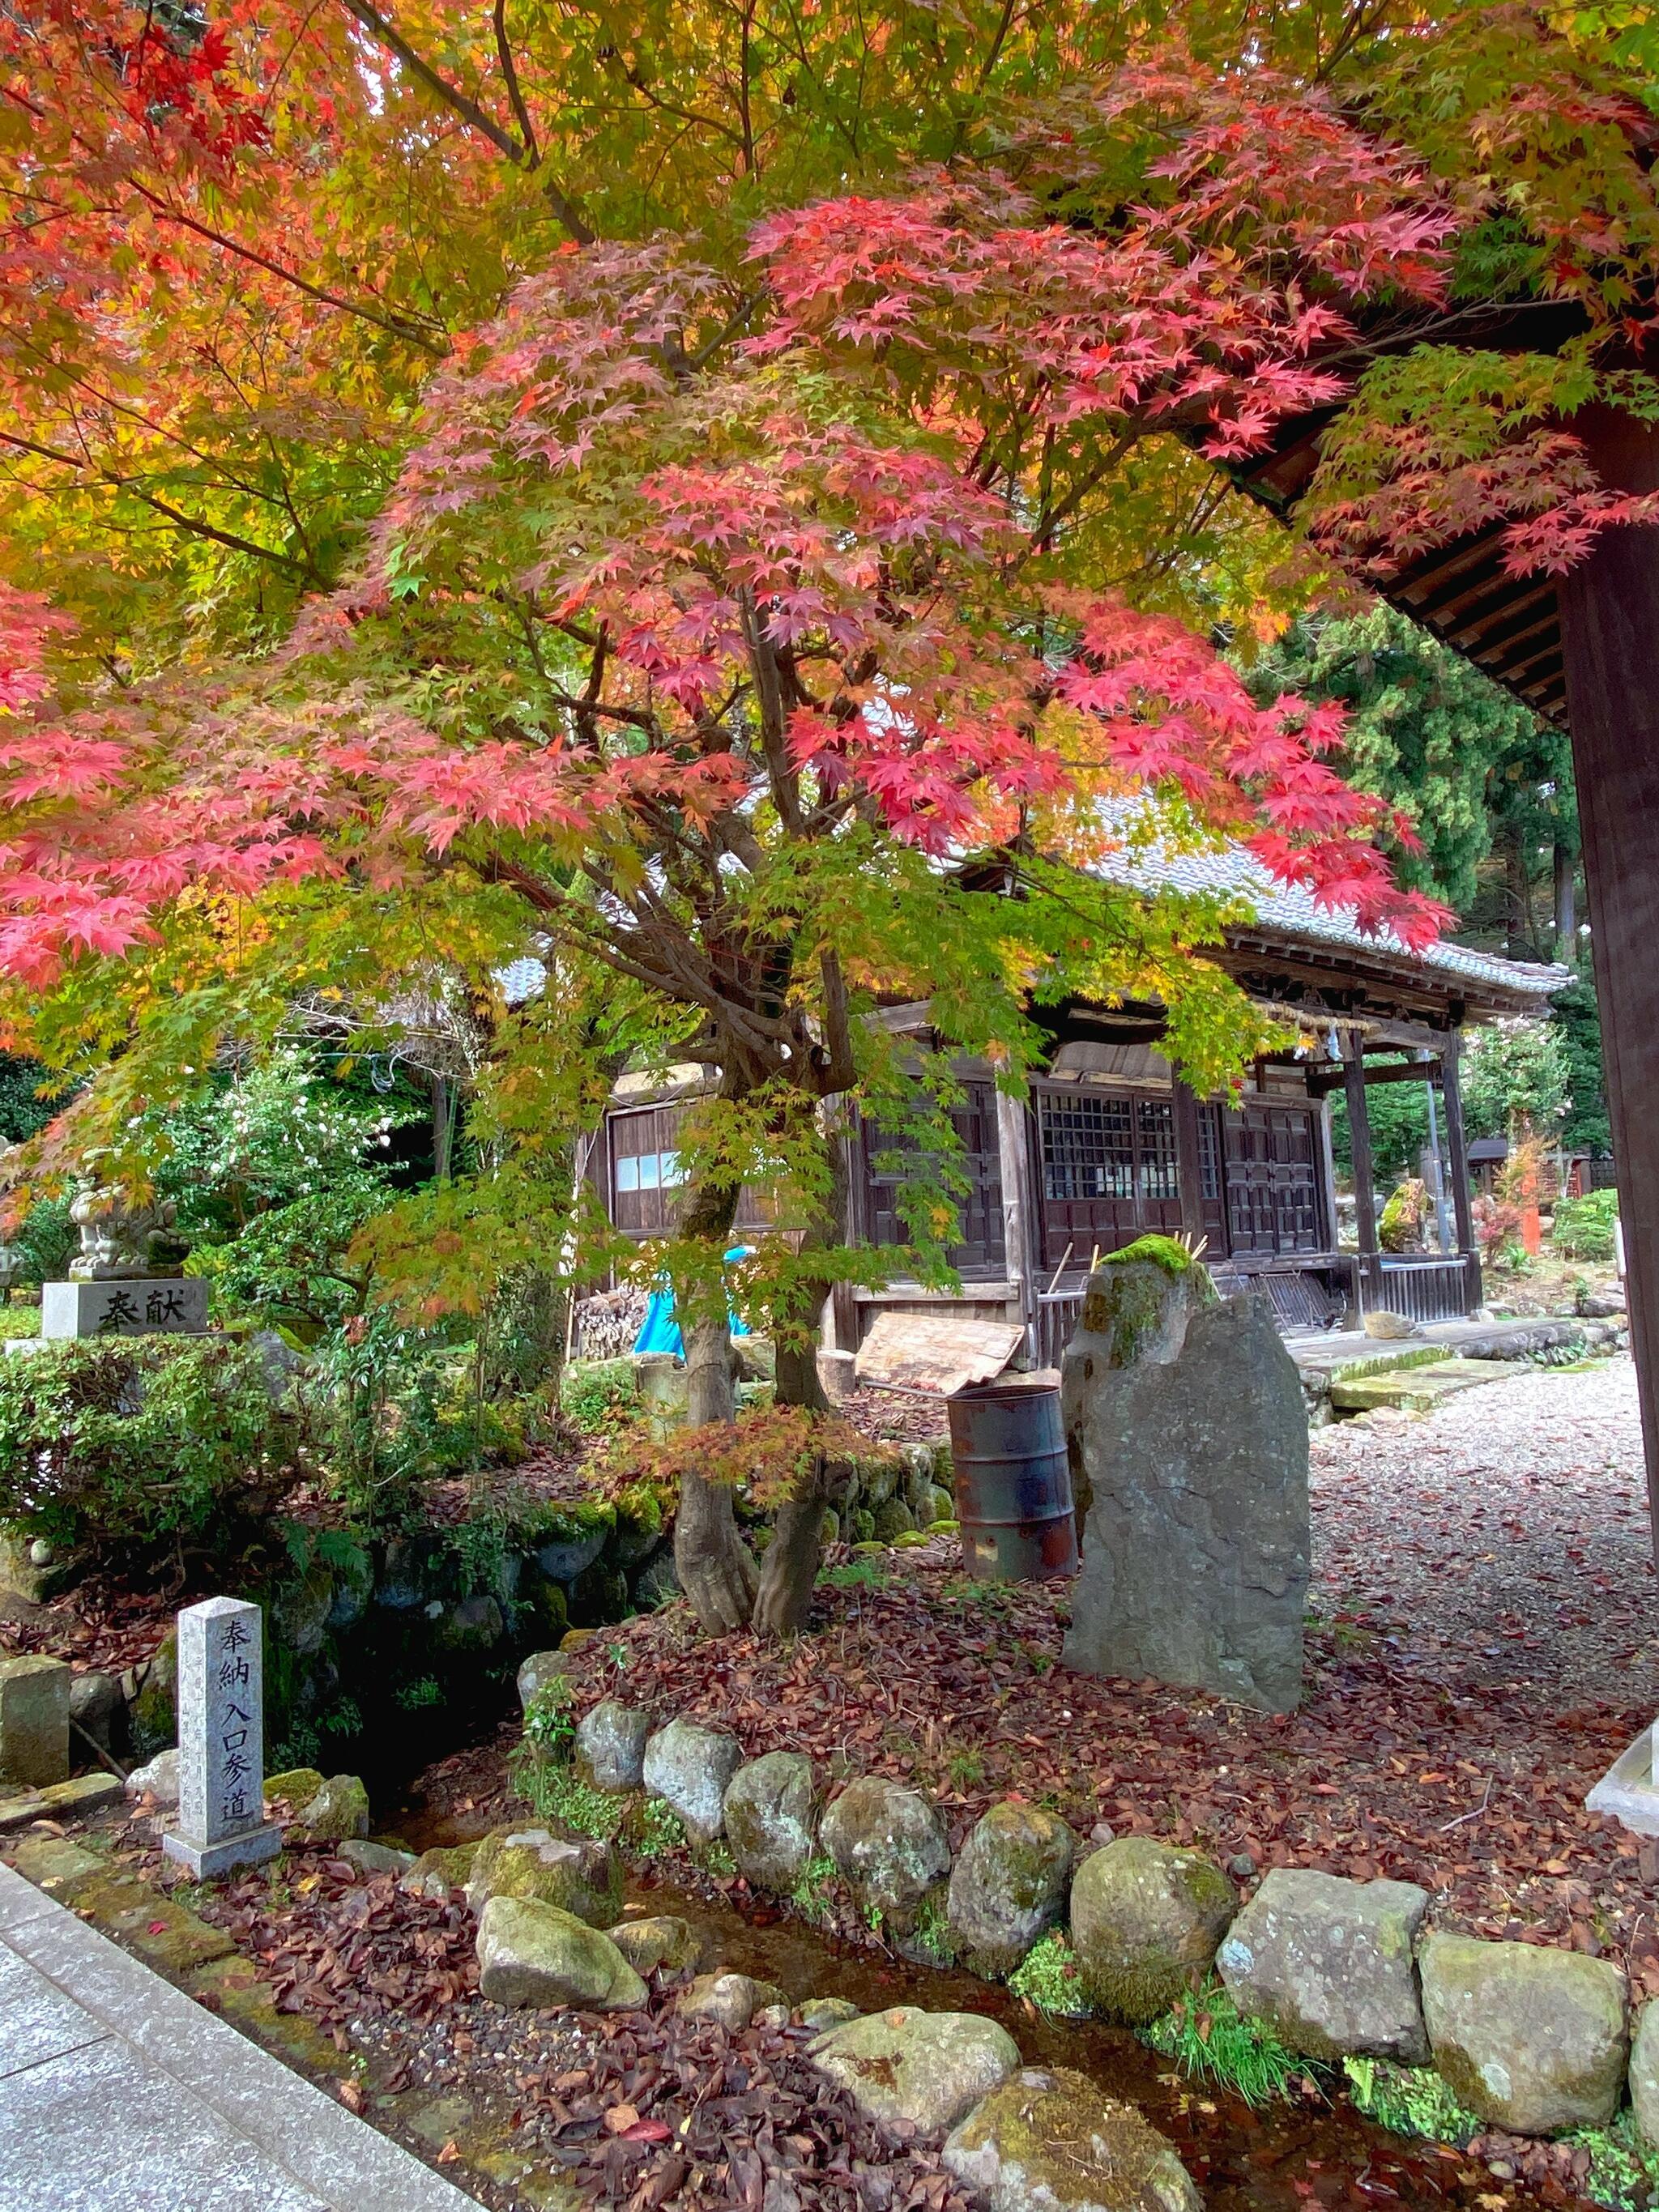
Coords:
119,2093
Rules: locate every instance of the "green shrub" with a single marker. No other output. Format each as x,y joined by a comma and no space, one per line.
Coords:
550,1724
593,1394
1207,2036
1409,2100
1047,1977
123,1445
1583,1226
48,1239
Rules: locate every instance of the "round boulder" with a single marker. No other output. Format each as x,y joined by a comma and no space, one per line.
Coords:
1054,2143
770,1807
97,1708
159,1780
656,1942
582,1878
1145,1921
1533,2040
532,1954
689,1768
339,1809
928,2067
436,1872
730,2000
538,1673
610,1743
1008,1885
1327,1964
888,1842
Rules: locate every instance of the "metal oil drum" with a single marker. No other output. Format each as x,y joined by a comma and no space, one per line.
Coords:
1014,1483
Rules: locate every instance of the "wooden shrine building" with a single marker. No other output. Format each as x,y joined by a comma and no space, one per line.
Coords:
1110,1145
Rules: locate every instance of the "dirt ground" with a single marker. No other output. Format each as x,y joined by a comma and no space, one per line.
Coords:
1483,1646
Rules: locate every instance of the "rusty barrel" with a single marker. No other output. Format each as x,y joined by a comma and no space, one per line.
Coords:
1013,1482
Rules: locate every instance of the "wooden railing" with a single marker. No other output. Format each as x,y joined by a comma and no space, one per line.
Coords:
1426,1287
1057,1313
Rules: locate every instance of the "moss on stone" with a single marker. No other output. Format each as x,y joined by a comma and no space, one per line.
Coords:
1146,1919
1165,1252
1072,2146
298,1785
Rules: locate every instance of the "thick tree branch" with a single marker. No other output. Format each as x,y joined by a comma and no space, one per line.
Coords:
510,78
193,526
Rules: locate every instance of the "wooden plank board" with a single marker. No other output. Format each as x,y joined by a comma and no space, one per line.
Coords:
937,1353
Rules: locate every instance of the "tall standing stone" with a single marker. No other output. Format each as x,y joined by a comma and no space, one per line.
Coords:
221,1821
34,1719
1188,1441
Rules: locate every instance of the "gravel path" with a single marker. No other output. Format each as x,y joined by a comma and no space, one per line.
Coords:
1501,1541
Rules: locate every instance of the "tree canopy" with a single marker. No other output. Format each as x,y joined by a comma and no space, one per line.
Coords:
702,496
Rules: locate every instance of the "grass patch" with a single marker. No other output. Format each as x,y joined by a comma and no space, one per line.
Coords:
810,1895
655,1829
1047,1977
1413,2100
1624,2171
1409,2100
930,1939
558,1794
1208,2036
855,1574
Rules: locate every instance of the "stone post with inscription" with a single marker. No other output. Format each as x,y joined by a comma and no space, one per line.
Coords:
221,1762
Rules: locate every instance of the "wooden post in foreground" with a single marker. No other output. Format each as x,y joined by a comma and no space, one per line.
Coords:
1610,608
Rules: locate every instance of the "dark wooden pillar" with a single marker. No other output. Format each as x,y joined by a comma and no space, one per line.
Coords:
1610,641
1457,1160
1189,1160
1364,1170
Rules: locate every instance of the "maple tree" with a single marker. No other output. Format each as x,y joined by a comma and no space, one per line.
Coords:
689,607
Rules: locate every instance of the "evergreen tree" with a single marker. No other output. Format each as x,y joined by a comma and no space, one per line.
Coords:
1478,773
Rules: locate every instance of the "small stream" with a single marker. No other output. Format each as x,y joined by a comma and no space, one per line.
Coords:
1305,2157
1284,2159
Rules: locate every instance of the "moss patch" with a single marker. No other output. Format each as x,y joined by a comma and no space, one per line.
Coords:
1161,1251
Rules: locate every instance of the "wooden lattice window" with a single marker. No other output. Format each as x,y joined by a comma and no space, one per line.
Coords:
1159,1176
1088,1146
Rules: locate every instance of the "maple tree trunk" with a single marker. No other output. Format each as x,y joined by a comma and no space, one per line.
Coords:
716,1568
789,1570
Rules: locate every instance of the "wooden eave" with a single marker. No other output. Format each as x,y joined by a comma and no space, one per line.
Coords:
1508,626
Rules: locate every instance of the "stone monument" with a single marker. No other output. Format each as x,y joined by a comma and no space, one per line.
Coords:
1189,1444
222,1757
128,1277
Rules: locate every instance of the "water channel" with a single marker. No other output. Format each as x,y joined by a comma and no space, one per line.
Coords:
1314,2155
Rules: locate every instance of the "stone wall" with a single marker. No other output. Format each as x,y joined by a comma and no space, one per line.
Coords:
1528,2039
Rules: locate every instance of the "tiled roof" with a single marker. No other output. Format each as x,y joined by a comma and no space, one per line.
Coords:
1233,872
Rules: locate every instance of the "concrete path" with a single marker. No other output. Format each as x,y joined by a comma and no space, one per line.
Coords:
119,2093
